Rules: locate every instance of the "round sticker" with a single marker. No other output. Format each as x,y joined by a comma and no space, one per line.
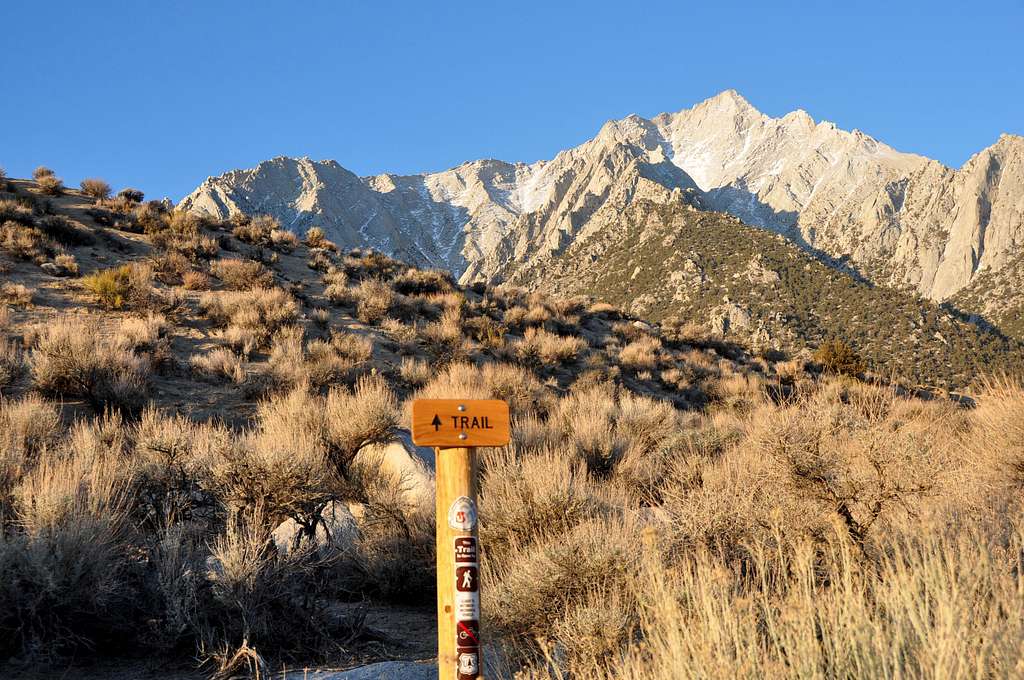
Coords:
462,514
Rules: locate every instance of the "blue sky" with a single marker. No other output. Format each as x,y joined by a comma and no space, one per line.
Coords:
159,95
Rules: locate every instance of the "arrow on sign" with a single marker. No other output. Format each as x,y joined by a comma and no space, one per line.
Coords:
436,422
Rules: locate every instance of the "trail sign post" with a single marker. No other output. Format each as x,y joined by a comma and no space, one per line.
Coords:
455,427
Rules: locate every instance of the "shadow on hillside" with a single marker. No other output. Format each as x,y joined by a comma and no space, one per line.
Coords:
745,205
440,225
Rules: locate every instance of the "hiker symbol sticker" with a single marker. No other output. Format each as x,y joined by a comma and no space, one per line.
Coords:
462,514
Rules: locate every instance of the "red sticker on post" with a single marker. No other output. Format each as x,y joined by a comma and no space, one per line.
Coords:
465,549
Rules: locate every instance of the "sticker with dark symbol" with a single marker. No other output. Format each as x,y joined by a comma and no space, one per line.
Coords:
465,549
462,514
468,664
465,579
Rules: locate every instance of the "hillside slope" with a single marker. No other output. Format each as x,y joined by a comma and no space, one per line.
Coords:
661,260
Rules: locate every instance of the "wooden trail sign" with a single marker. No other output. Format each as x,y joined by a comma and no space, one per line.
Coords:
455,427
460,422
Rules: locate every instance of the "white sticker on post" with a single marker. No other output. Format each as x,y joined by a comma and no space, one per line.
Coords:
467,606
462,514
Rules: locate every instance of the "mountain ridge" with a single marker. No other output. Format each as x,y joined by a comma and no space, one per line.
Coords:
897,219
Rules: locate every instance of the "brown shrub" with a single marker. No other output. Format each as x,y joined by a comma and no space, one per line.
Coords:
219,364
130,285
531,589
130,195
193,280
526,498
16,211
61,230
415,372
66,264
316,238
95,188
367,415
12,365
641,355
66,581
50,185
28,427
835,356
320,317
242,274
16,294
423,282
353,346
257,230
284,240
540,345
373,300
250,318
24,243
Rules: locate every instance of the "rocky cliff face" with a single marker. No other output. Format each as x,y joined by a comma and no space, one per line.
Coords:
894,218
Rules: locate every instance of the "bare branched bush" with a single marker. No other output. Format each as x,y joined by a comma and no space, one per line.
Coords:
72,357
